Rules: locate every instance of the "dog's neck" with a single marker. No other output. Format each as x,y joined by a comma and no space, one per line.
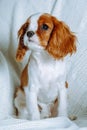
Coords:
42,55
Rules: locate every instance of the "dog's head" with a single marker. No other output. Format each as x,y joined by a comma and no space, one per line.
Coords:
44,31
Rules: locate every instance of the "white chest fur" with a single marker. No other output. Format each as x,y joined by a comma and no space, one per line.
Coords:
45,76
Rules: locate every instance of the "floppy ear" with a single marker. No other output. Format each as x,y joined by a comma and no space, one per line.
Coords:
62,41
21,47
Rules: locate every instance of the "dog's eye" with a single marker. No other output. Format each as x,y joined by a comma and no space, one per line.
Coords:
44,27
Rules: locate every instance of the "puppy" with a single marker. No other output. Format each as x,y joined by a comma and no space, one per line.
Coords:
49,41
46,110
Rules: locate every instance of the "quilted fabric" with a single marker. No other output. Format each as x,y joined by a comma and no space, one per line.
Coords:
74,13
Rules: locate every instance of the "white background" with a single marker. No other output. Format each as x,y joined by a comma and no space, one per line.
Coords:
74,13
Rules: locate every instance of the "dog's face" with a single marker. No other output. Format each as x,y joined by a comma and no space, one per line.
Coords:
45,32
38,32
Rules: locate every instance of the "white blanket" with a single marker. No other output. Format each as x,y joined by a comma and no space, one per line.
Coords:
74,12
61,123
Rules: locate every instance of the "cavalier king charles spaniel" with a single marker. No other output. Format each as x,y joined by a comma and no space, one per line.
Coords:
43,79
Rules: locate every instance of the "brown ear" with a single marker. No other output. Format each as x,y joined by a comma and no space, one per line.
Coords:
62,41
21,51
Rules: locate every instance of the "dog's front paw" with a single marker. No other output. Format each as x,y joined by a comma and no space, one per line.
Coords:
35,116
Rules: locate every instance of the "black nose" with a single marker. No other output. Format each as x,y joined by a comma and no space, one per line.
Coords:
30,33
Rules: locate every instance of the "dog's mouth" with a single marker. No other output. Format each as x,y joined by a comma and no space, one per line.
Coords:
30,40
33,45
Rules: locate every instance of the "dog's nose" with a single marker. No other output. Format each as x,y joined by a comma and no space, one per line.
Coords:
30,33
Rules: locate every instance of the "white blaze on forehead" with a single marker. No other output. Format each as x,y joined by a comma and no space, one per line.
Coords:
34,22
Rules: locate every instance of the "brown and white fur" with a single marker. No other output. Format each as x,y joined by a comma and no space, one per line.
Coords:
49,41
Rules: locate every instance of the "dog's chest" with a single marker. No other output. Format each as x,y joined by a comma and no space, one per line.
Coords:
46,71
46,75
